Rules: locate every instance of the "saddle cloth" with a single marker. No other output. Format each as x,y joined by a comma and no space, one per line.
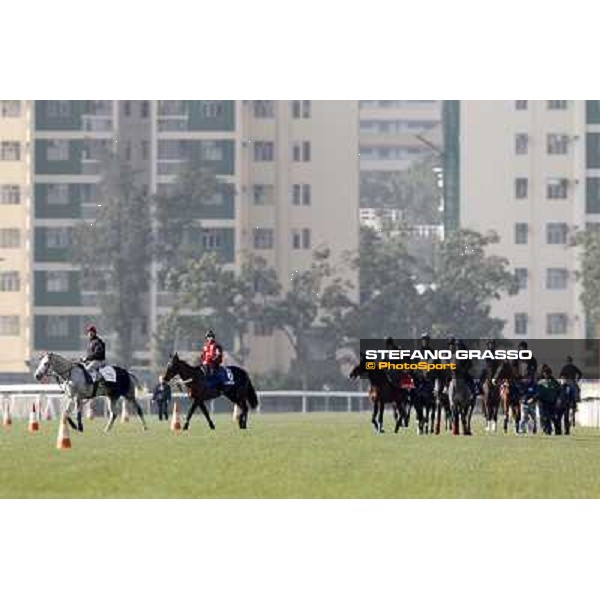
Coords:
109,374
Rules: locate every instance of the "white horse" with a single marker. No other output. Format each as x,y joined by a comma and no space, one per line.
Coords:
79,388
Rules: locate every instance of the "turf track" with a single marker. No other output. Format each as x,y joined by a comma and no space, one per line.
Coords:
294,456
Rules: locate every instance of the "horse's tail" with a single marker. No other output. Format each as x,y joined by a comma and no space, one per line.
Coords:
252,396
135,380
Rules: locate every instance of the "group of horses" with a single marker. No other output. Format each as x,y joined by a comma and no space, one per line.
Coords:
450,400
80,389
437,401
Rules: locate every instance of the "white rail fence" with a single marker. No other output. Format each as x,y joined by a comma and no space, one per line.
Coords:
49,399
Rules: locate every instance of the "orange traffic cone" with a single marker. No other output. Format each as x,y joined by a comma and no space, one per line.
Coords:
124,413
64,441
34,424
175,422
7,420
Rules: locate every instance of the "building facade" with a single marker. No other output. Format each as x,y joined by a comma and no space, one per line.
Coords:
530,171
293,172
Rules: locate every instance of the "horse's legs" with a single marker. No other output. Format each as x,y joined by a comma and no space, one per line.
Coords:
140,413
243,418
438,416
112,413
204,412
380,416
374,415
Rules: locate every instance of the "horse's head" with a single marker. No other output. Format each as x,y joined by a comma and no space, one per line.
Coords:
172,368
43,367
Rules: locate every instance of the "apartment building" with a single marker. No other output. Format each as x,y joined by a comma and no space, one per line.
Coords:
530,171
293,172
15,238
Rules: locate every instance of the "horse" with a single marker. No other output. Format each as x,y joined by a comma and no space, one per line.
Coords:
79,388
241,392
461,401
510,395
490,403
383,391
562,410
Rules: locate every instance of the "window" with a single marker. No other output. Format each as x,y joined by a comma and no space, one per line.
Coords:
592,195
556,279
521,233
521,321
212,239
58,193
212,110
300,239
556,233
521,143
301,109
263,109
59,108
556,323
262,329
521,275
57,237
145,150
10,194
57,326
211,150
301,194
10,238
57,150
264,151
57,281
556,189
10,281
520,104
262,194
556,104
10,151
521,187
145,109
10,108
557,143
9,325
301,152
262,238
127,108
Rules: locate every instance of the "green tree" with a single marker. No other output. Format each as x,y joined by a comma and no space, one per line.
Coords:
309,313
414,192
588,243
210,294
466,278
115,252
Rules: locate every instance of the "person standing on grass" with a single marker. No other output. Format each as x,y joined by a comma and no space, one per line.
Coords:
162,397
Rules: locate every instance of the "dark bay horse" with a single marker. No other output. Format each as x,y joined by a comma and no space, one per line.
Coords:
510,394
241,392
384,390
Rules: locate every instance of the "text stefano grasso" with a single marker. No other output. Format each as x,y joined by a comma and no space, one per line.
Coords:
448,354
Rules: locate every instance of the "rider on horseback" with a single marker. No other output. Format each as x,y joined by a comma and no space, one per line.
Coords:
95,358
211,359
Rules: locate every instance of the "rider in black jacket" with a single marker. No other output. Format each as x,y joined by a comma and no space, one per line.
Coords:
95,358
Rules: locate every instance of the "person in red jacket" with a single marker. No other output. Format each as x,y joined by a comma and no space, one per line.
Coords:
211,359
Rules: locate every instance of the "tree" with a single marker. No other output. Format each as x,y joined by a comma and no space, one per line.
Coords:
388,297
465,280
209,295
309,312
589,274
414,192
115,252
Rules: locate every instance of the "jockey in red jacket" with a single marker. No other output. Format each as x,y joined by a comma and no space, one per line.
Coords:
212,353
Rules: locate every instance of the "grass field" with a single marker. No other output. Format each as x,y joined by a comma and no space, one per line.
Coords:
294,456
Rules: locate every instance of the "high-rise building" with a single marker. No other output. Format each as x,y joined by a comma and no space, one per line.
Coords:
528,170
395,133
293,169
15,238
